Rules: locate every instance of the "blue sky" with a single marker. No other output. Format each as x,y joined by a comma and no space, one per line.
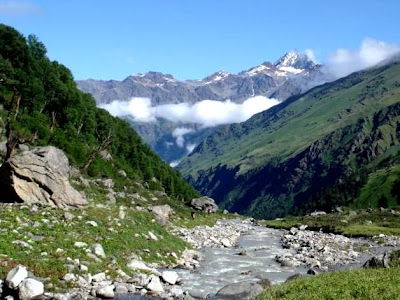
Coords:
192,39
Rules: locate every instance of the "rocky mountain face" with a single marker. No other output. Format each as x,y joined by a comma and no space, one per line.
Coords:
313,151
293,73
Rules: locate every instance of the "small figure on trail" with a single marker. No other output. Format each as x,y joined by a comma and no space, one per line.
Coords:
193,214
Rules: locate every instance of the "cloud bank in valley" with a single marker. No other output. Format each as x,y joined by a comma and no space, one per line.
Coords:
207,113
371,52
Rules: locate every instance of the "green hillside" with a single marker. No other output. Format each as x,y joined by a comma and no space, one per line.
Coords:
41,105
312,151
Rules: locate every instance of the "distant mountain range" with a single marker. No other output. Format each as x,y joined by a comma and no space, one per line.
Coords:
293,73
337,144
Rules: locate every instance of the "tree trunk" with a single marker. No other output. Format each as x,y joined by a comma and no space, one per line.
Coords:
12,116
104,143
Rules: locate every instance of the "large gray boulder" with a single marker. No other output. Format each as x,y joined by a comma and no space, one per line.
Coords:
205,203
379,261
40,175
240,290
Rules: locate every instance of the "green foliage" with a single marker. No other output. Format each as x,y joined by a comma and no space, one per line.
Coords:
363,223
312,151
352,284
53,111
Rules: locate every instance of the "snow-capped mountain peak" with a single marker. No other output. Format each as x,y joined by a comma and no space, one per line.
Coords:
216,77
294,62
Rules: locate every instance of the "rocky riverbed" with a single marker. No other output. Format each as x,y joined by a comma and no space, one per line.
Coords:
231,251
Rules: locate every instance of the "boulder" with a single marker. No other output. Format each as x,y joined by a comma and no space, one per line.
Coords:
240,290
170,277
206,204
39,176
98,250
30,288
155,284
105,291
16,276
379,261
161,211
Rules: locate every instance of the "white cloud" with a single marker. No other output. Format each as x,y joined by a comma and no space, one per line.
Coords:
178,134
190,148
311,55
174,163
370,53
207,113
18,8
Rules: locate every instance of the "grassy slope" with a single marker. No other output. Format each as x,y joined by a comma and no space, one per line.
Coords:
290,127
354,284
360,224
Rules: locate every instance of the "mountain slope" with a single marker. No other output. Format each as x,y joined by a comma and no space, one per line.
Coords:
293,73
41,105
312,151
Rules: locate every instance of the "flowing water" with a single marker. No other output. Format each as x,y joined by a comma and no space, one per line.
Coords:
222,266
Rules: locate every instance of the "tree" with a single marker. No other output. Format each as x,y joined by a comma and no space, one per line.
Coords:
36,48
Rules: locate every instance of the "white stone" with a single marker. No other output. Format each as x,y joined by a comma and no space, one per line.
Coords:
30,288
105,291
93,223
16,276
175,292
69,277
136,264
83,268
170,276
98,250
152,236
155,284
226,243
80,244
99,277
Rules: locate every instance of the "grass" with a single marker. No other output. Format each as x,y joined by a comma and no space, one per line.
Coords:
43,231
352,284
366,224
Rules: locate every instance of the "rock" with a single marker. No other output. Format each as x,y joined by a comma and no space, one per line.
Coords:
317,213
69,277
68,216
240,290
92,223
23,147
40,175
108,183
16,276
121,288
152,236
162,211
99,277
206,204
225,212
312,272
98,250
105,291
226,242
176,292
379,261
80,244
136,264
198,295
170,277
155,284
111,198
122,173
30,288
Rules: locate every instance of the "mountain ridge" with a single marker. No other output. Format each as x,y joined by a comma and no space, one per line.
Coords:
266,166
266,79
